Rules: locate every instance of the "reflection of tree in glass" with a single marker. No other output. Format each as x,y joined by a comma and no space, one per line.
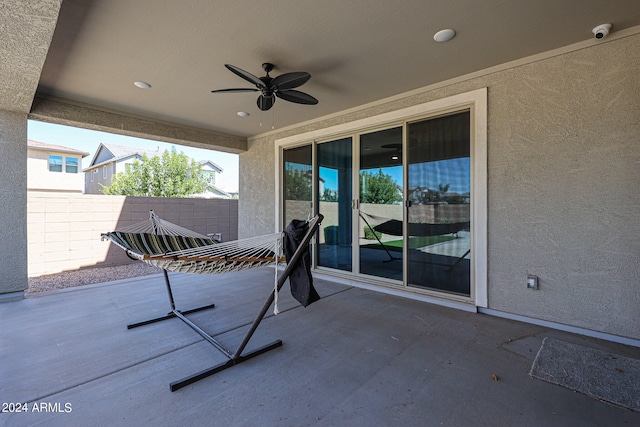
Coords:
297,184
378,188
440,196
329,196
433,196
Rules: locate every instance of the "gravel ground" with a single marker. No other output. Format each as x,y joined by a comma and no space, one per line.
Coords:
88,276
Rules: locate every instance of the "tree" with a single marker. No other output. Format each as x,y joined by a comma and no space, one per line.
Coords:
297,184
434,196
171,175
378,188
329,196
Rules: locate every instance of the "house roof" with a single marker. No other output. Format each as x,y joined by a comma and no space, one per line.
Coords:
210,163
42,146
122,152
116,153
219,191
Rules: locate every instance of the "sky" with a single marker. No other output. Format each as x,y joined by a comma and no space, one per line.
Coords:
455,172
89,140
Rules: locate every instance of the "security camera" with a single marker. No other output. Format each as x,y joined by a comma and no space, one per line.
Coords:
601,31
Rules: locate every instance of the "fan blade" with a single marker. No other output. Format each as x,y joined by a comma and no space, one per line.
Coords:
235,90
266,102
297,97
245,75
290,80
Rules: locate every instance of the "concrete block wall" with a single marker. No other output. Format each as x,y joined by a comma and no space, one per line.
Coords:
63,230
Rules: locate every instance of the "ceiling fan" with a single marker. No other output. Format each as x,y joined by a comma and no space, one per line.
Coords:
281,86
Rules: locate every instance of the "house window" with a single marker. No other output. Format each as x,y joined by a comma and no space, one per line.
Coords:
71,165
104,172
95,171
211,176
55,163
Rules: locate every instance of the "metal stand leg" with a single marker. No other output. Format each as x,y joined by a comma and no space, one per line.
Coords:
237,357
391,257
458,261
173,311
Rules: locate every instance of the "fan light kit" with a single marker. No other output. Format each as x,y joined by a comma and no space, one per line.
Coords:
444,35
142,85
280,86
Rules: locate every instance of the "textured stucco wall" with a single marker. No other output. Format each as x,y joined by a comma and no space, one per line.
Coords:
563,178
564,188
27,29
89,117
13,202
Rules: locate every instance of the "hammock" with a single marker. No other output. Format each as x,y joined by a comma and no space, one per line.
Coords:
394,228
173,248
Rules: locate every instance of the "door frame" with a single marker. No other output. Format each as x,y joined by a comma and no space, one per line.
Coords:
476,102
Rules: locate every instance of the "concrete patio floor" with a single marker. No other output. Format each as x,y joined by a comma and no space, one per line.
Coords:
355,358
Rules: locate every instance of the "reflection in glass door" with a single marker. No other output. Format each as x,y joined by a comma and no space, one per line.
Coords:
438,191
297,184
380,209
334,189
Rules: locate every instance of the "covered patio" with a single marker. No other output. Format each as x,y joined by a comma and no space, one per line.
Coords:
356,358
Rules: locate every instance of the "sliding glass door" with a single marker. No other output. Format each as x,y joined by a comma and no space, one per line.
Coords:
401,194
380,208
439,201
335,196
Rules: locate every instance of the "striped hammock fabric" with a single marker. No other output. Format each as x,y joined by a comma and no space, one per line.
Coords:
171,247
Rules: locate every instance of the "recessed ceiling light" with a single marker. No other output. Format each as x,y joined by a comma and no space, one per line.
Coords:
243,114
394,157
142,85
444,35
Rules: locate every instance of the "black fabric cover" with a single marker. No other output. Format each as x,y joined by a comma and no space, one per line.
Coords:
300,279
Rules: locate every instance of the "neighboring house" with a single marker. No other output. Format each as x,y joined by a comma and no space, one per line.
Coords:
213,192
54,167
111,159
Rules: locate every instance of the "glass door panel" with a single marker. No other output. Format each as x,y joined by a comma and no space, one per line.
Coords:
297,180
438,190
380,209
334,189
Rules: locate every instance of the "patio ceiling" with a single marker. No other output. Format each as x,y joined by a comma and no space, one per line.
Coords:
357,52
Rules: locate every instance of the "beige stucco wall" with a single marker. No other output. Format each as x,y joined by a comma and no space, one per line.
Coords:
40,178
27,29
13,203
64,228
563,183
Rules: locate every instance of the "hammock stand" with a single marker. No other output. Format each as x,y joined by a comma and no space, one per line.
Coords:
169,235
394,228
373,231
